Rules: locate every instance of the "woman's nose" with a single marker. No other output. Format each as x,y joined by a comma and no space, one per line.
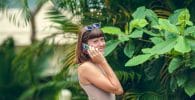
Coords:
101,43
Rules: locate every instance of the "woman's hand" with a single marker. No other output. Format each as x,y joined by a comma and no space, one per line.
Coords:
96,55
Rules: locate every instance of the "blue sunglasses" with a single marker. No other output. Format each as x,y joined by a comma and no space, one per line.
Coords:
93,26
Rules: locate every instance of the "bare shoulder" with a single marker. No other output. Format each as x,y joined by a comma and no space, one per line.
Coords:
85,66
85,71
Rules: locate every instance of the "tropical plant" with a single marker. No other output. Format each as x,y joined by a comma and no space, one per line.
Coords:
28,80
23,74
168,49
134,36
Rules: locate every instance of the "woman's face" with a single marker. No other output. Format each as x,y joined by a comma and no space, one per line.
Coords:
97,43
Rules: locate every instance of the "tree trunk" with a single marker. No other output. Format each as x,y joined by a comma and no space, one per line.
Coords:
33,22
33,29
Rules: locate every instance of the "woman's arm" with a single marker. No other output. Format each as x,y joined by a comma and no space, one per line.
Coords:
112,77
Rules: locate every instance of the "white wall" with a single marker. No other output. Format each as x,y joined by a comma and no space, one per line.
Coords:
21,35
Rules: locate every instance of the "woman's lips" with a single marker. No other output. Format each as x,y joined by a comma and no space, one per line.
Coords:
101,49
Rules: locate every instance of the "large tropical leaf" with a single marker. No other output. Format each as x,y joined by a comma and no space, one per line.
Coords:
189,88
123,37
182,45
174,17
152,17
190,31
137,23
182,78
191,42
184,18
110,46
156,40
62,22
166,25
136,34
163,47
139,13
138,60
129,49
174,64
112,30
193,60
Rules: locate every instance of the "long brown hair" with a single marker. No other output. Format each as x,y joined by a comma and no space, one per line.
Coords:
83,37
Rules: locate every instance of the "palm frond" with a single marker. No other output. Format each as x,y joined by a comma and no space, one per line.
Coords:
19,12
73,5
128,77
144,95
64,23
67,61
35,61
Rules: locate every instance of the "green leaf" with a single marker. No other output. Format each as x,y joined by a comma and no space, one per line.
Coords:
112,30
129,49
192,60
190,88
156,40
168,35
150,95
163,47
189,23
149,32
181,79
166,25
29,92
191,42
190,30
146,50
152,17
174,64
138,60
157,27
123,37
110,46
173,84
136,34
150,13
174,17
182,46
184,17
139,13
137,23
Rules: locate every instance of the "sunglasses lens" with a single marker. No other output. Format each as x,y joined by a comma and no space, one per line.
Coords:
88,28
96,25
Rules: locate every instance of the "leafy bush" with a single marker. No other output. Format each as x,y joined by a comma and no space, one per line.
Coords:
166,55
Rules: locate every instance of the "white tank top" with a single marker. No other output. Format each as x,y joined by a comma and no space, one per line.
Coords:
95,93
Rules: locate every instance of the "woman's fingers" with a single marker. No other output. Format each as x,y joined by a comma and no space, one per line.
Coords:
93,51
90,51
95,55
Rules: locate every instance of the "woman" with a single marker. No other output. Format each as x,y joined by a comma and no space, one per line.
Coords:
95,75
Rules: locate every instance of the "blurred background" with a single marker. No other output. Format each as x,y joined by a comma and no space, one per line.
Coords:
38,39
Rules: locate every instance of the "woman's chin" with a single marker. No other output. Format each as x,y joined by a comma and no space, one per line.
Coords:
102,52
